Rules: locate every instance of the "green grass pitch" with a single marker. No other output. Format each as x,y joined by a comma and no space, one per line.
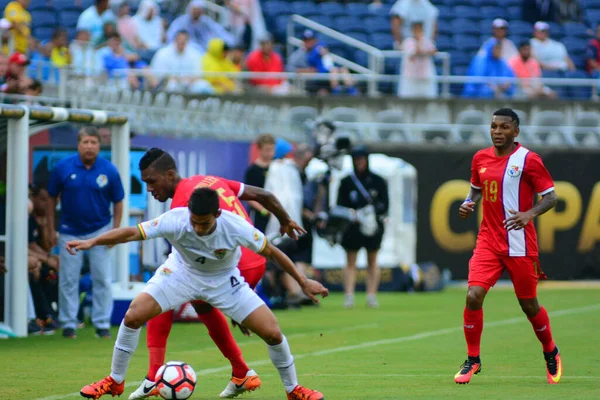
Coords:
410,348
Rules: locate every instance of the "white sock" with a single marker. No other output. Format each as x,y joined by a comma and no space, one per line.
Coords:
282,359
125,345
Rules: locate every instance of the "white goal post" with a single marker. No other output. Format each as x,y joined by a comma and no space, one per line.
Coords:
19,116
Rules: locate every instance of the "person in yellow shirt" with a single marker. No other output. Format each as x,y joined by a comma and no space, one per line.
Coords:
215,60
57,49
16,13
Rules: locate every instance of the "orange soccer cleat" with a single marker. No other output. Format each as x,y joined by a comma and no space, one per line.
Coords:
100,388
237,386
302,393
553,366
472,366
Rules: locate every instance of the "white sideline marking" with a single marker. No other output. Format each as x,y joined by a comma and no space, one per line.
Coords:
364,345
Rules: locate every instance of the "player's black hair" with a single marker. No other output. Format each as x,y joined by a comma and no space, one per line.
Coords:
524,43
35,189
508,112
158,159
204,201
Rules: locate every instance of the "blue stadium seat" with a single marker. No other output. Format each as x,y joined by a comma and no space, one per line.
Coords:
520,28
590,4
457,88
332,9
575,29
518,39
460,58
557,31
361,58
274,9
43,33
357,9
511,3
60,5
383,41
575,46
561,91
485,3
455,3
513,13
580,61
377,24
465,27
392,66
467,43
444,43
485,26
444,28
323,20
443,11
493,12
87,3
68,17
363,37
340,50
280,27
302,7
467,12
593,17
44,17
344,24
578,92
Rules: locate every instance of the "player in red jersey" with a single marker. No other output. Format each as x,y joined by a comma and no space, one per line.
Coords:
159,172
506,177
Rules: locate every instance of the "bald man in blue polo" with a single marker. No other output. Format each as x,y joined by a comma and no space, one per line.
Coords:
87,186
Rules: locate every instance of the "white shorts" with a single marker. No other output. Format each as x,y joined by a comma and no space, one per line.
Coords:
173,285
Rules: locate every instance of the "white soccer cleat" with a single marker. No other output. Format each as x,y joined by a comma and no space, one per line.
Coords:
146,389
237,386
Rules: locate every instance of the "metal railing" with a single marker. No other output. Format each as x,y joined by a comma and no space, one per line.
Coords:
375,56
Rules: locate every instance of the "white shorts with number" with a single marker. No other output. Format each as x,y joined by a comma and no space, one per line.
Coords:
173,285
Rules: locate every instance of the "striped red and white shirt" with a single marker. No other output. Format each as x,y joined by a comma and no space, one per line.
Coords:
508,183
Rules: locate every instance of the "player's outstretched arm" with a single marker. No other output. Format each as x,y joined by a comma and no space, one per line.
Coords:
310,287
519,220
269,201
468,206
110,238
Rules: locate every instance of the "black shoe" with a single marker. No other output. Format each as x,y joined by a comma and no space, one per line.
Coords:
34,327
103,333
50,326
69,333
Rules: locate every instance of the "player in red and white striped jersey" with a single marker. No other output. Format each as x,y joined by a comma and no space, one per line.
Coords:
506,177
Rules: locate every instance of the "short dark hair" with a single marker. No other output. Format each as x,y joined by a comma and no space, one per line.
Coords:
204,201
88,131
524,43
264,139
158,159
508,112
35,189
182,32
35,85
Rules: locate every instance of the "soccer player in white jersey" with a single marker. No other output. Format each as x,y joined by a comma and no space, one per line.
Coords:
203,265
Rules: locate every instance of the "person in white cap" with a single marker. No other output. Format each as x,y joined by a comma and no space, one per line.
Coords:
499,32
551,54
405,12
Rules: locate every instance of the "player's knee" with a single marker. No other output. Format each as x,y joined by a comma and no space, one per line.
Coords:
133,318
475,299
273,336
530,307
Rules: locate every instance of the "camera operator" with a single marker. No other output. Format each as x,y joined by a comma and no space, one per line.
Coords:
367,193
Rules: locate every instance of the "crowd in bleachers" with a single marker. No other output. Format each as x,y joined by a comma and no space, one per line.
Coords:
163,50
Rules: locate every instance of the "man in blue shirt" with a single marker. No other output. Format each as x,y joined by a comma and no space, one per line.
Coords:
87,185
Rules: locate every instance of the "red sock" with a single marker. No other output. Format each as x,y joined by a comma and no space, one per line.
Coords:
541,327
473,326
219,331
157,332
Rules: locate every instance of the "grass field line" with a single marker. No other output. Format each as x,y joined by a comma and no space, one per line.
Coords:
292,336
365,345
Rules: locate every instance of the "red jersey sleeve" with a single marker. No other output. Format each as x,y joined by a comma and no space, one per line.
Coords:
236,187
537,175
475,181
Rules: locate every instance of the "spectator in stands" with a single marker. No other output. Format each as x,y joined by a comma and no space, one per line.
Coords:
149,25
320,59
87,185
215,60
34,89
237,55
528,70
84,57
180,64
3,68
108,30
16,80
490,64
499,32
200,27
256,175
266,59
20,24
94,18
551,54
246,22
418,74
126,28
405,12
116,59
569,11
539,10
593,55
57,50
367,193
298,62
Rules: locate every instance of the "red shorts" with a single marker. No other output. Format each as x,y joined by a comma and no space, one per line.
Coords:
252,275
486,267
